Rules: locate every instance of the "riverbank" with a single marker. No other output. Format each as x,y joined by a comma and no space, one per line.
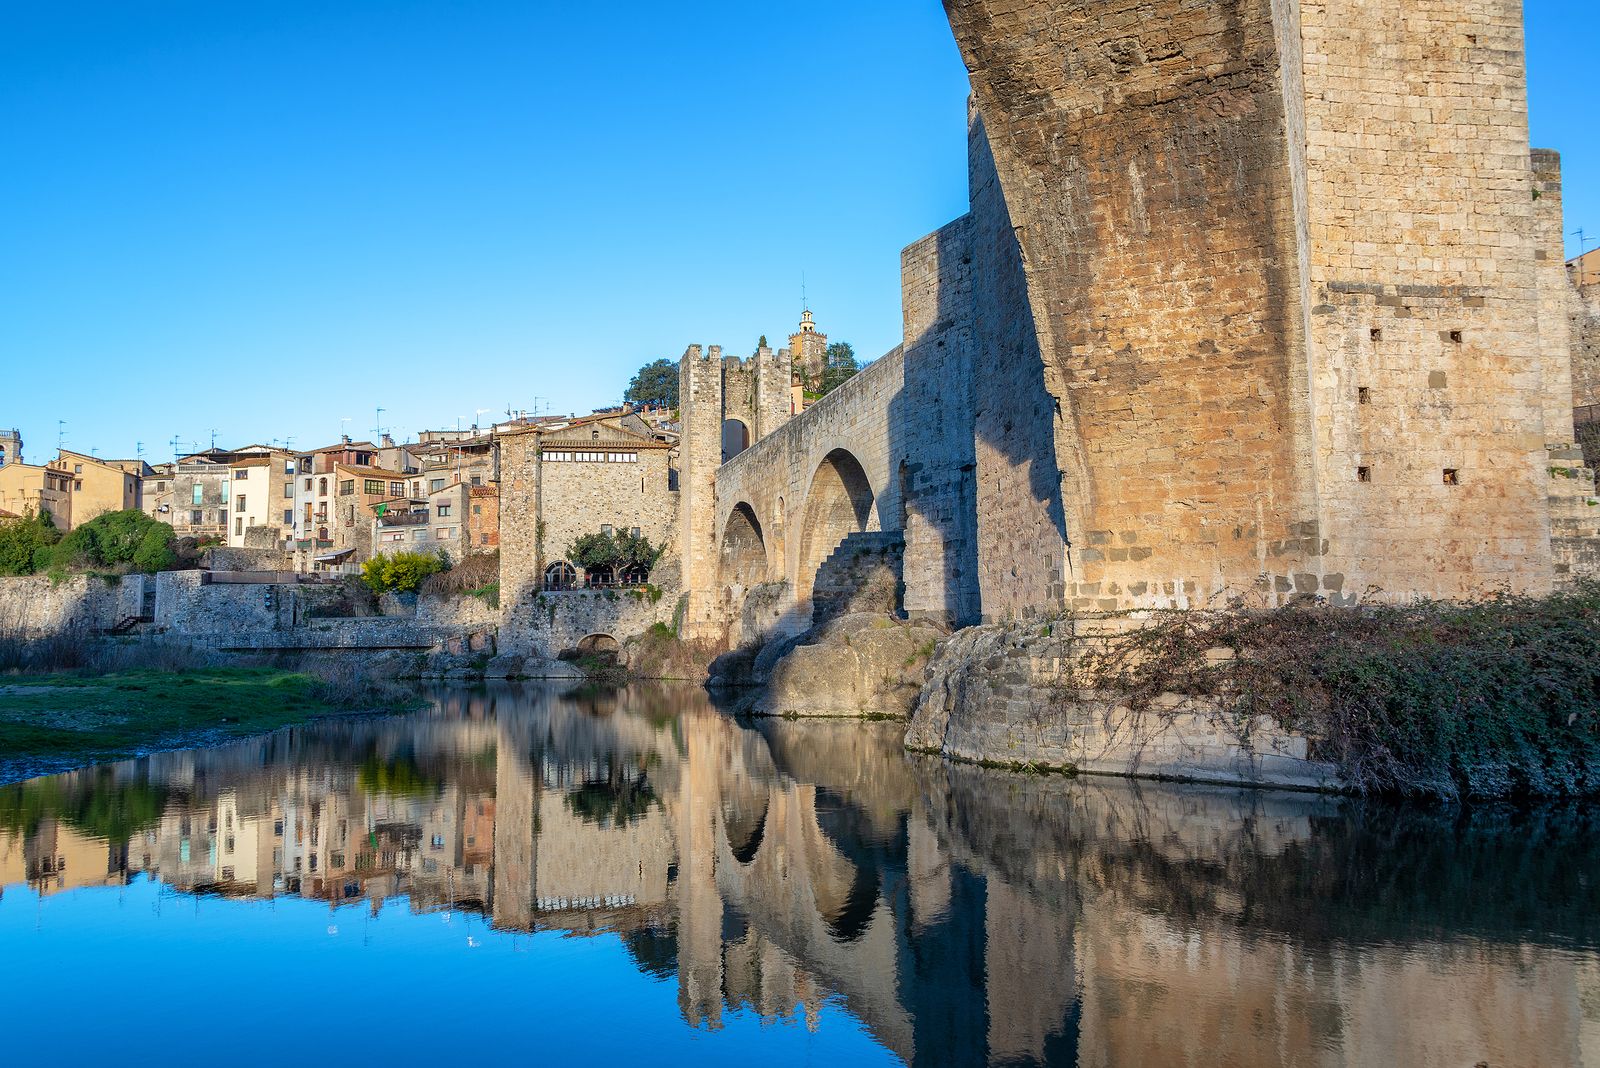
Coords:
57,721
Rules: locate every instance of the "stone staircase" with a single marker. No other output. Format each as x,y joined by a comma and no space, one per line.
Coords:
1574,516
864,574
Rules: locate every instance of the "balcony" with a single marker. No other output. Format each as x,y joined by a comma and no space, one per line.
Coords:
403,519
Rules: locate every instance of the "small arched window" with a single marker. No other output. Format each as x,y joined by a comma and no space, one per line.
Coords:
560,576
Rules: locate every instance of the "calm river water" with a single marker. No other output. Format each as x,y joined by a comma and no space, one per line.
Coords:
519,877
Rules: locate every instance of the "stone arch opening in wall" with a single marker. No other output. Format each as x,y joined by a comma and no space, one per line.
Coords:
838,504
735,438
742,558
560,576
599,643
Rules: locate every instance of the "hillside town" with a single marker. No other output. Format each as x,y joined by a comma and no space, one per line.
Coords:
329,510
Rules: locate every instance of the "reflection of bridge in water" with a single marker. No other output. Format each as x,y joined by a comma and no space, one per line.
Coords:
963,915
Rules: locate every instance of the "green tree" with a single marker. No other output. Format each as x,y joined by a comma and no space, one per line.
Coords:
656,384
127,541
25,543
620,551
841,365
402,572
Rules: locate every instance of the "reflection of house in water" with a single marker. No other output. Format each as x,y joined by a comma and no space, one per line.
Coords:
963,915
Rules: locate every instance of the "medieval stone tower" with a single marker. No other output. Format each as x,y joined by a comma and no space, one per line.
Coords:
808,350
718,397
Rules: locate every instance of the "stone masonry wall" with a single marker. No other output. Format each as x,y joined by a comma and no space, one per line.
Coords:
33,606
545,506
1583,316
1422,258
1021,522
1143,153
549,624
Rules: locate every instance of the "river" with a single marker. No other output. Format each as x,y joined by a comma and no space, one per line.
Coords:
517,876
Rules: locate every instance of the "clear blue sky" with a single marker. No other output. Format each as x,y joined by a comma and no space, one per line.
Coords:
265,218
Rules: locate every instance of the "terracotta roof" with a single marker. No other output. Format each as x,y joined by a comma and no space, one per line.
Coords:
253,461
484,491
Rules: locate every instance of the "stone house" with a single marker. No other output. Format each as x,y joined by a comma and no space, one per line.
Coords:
99,486
263,492
10,447
30,489
561,481
198,497
483,518
436,522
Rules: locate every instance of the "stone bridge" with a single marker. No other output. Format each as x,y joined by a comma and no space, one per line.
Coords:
1251,304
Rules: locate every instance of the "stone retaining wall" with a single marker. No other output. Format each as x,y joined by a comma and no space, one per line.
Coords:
547,624
33,606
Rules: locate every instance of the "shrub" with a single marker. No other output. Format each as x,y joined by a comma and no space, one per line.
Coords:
117,541
1488,699
25,544
402,572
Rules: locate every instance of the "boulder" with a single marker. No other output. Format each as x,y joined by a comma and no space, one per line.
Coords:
861,664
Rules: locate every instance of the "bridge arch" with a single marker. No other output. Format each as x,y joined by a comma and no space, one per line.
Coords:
599,643
838,504
743,555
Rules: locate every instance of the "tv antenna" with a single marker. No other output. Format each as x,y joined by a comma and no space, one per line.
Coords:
378,429
138,451
61,434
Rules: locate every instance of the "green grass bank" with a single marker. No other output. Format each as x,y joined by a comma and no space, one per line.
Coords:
55,721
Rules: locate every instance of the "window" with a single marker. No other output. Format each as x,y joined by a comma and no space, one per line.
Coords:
347,487
444,511
1377,333
322,487
607,529
222,519
288,491
595,433
397,489
288,467
1451,477
224,489
634,531
1363,474
308,485
242,473
77,469
477,509
483,539
435,485
416,489
477,480
1363,395
1455,337
560,576
238,526
288,517
371,487
196,518
418,534
161,487
199,493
